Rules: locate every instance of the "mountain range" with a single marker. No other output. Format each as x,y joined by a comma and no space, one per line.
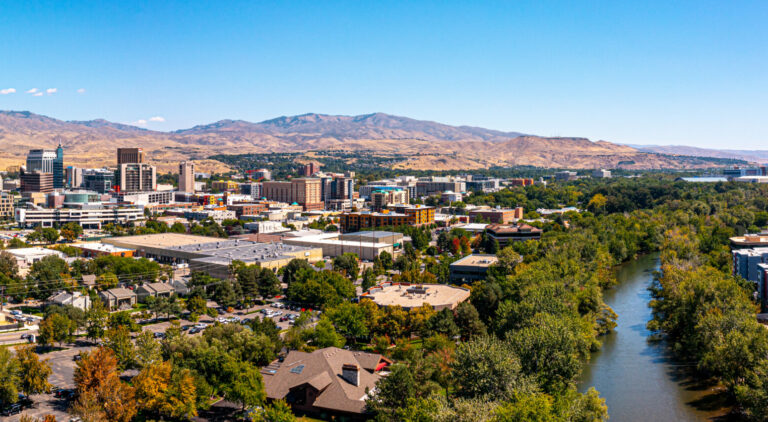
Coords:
425,144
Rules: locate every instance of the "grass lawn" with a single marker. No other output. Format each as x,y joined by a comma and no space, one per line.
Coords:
31,310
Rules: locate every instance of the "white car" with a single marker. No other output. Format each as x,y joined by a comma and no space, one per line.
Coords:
201,325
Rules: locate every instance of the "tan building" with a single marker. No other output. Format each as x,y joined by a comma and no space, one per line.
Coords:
137,177
187,177
6,206
382,199
130,156
497,216
306,192
410,296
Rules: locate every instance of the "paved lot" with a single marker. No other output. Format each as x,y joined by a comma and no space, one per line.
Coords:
63,367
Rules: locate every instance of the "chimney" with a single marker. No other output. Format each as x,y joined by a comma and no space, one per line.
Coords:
351,373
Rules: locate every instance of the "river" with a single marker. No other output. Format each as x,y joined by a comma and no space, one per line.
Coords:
636,377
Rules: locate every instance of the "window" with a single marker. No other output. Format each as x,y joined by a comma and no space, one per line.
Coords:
297,370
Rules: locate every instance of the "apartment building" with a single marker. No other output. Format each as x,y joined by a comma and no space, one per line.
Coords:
412,216
520,181
382,199
303,191
224,185
6,206
137,177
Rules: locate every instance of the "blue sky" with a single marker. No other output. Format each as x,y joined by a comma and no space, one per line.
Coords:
646,72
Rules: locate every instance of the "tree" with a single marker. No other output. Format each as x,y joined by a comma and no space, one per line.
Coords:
8,265
349,320
324,335
177,228
119,340
468,320
245,384
293,268
96,319
393,391
167,392
55,328
484,368
9,377
277,411
147,351
347,264
225,294
48,273
71,231
34,372
268,283
386,260
197,305
100,391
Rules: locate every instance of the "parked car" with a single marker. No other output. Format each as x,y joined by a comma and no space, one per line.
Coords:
12,409
186,328
77,357
195,330
160,335
245,321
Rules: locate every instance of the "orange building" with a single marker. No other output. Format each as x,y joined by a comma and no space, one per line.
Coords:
410,216
521,182
95,249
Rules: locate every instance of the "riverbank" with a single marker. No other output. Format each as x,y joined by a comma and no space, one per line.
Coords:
638,378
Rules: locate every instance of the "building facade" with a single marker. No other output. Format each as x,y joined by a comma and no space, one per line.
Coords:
98,180
130,156
36,182
87,218
187,177
137,177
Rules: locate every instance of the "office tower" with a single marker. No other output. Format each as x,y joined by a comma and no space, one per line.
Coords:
252,189
307,193
73,177
130,156
58,168
187,177
40,160
310,168
137,177
98,180
36,182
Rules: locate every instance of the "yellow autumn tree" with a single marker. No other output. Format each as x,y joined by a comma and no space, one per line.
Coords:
102,396
165,392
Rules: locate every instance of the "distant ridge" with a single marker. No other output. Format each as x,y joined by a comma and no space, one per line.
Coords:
423,144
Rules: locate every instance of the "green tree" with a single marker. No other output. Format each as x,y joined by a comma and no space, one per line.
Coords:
147,350
56,328
324,335
119,340
393,391
347,264
9,377
484,367
96,318
246,385
277,411
34,372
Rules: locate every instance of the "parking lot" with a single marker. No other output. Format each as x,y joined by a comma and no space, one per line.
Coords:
282,318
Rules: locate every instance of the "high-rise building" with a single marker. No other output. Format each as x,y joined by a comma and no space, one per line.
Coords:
73,177
187,177
130,156
252,189
137,177
306,192
6,206
277,191
40,160
98,180
303,191
36,182
310,168
58,168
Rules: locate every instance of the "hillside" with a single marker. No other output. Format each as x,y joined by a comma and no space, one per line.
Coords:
428,145
760,156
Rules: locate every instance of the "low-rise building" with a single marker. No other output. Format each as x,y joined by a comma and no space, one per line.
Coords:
506,234
6,205
410,296
749,241
118,298
471,268
332,245
327,381
25,257
76,299
497,215
565,175
601,174
95,249
88,218
155,290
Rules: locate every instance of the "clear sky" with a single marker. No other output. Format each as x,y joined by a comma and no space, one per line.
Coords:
645,72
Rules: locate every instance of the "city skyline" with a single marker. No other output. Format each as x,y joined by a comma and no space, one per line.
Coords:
654,73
